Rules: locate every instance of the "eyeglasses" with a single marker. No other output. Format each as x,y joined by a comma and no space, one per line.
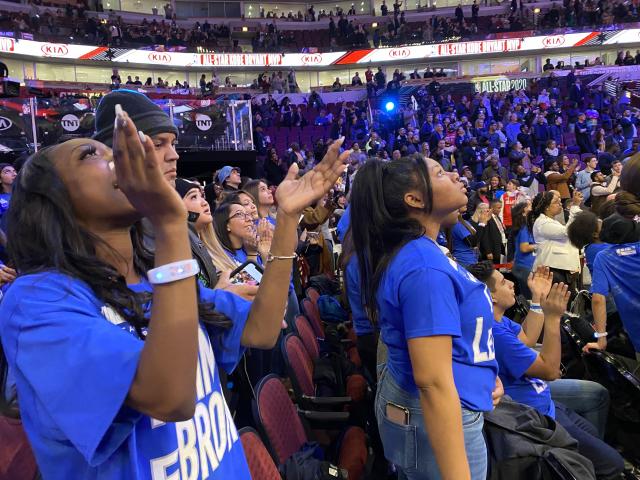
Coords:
239,215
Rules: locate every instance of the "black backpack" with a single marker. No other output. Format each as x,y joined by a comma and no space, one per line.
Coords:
303,465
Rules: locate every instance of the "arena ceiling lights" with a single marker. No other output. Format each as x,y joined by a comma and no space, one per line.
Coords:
301,60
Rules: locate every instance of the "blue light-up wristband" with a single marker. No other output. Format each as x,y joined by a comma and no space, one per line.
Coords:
172,272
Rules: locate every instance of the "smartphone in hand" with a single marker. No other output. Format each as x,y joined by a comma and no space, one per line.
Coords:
249,272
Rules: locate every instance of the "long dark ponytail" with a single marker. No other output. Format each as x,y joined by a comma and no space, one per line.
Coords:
380,219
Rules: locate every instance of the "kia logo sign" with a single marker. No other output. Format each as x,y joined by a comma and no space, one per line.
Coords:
312,59
5,123
399,52
70,123
7,44
553,42
54,50
159,57
203,122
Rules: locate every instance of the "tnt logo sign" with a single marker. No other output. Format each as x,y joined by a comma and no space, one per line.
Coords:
399,52
70,123
312,59
54,50
203,122
7,44
5,123
159,57
553,41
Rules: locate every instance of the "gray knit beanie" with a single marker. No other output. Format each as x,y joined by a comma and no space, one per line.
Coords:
146,115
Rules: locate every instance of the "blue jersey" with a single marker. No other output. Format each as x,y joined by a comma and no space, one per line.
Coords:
462,252
361,323
591,251
514,359
74,359
524,259
423,293
616,269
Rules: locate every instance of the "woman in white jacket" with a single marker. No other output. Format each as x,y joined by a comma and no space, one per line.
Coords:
553,248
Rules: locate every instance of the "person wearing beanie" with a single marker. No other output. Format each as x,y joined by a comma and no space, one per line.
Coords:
148,118
229,178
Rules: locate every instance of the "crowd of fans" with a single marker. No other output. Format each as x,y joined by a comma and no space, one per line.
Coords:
72,23
345,30
403,267
507,185
490,183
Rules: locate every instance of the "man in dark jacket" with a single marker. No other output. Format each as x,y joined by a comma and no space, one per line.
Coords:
494,240
541,134
583,135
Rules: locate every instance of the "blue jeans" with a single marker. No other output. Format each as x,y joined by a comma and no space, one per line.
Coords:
590,400
408,446
607,462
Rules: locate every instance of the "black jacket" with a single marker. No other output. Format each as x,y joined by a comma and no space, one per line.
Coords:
491,242
526,445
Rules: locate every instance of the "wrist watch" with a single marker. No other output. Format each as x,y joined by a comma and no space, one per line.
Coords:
599,334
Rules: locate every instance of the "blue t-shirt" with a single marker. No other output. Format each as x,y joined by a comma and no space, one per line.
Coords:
361,323
514,359
524,259
74,359
5,199
343,224
591,251
616,269
462,252
423,293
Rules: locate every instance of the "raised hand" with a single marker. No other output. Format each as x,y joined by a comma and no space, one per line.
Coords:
294,194
577,198
139,176
485,216
555,304
264,237
539,282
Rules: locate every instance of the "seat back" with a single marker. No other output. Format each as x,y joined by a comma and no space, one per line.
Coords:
308,336
299,365
313,295
278,417
16,457
313,314
260,462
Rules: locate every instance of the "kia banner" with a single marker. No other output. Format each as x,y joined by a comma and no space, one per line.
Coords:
478,48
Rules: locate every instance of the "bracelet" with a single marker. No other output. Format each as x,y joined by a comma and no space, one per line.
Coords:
600,334
172,272
536,308
535,304
271,257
